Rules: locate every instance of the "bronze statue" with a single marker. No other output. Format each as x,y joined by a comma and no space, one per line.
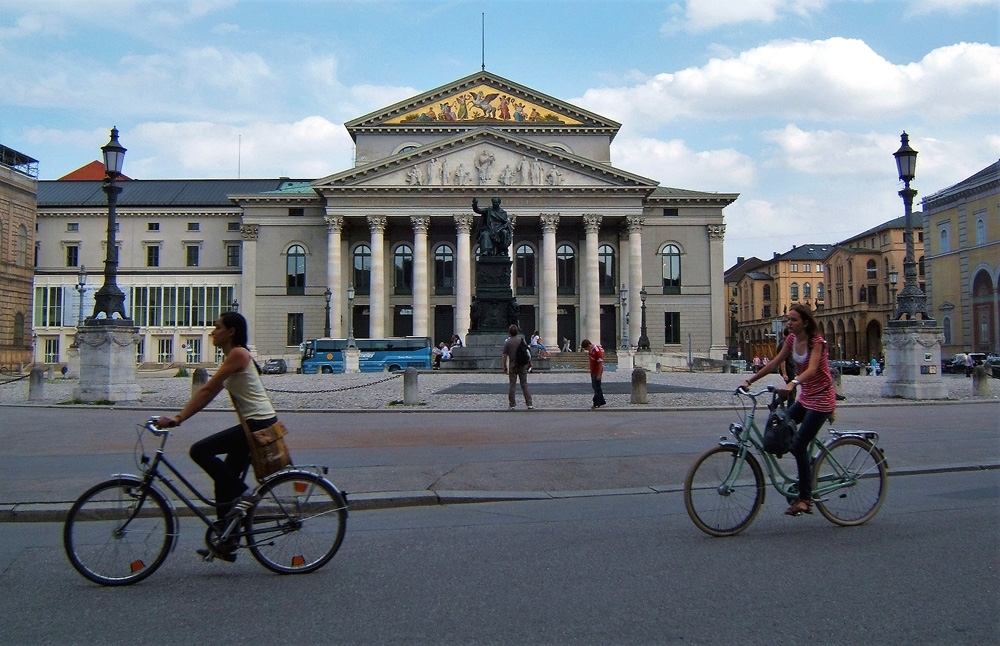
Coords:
494,230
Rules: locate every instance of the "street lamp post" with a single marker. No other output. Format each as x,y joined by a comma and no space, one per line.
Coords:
328,294
912,300
893,279
81,287
350,316
110,299
623,301
733,309
643,339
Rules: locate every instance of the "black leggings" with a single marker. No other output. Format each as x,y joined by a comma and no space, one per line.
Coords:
809,421
227,473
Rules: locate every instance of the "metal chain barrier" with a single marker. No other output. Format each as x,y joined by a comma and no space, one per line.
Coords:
4,382
336,390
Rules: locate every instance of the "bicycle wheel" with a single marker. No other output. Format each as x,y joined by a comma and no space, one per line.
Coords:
298,525
117,533
860,466
717,511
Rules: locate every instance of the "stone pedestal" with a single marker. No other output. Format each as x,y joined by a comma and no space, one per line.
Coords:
107,364
913,360
73,362
352,361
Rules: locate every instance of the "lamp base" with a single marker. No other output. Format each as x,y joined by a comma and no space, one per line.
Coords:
913,361
107,364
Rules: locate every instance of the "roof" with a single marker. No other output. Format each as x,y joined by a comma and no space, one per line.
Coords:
815,252
759,275
977,182
683,194
95,170
737,271
154,192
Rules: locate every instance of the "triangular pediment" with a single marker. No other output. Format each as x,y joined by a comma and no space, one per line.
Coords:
483,99
485,157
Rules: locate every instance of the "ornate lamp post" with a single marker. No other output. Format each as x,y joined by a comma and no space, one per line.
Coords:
893,279
912,300
733,309
81,287
623,303
326,329
350,316
109,299
643,339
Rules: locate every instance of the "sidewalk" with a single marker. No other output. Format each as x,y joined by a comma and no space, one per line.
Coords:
422,455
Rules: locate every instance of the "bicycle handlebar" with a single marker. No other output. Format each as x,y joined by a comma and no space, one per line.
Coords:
743,391
151,426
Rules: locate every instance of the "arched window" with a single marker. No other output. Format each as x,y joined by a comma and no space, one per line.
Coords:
565,270
946,324
444,270
606,269
295,271
806,290
402,269
819,292
945,244
920,266
980,231
671,269
525,268
795,292
362,269
21,251
872,269
767,292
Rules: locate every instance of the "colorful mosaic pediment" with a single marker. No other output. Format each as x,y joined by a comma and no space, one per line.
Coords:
484,105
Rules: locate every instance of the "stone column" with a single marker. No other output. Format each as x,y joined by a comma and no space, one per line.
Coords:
463,274
334,225
549,284
591,291
248,290
421,288
635,277
717,271
376,297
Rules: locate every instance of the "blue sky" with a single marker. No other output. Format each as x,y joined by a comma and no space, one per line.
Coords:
795,104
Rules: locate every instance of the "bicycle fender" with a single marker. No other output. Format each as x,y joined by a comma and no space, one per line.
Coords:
311,471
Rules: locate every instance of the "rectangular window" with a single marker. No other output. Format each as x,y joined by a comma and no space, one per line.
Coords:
153,226
767,311
194,226
192,350
794,267
153,256
72,226
140,351
670,213
672,327
52,350
819,266
232,255
48,306
165,350
296,322
296,212
72,256
807,267
192,255
233,227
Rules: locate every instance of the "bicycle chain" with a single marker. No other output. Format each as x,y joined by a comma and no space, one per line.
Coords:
334,390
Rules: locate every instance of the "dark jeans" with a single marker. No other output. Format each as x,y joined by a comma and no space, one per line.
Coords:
227,474
809,421
598,392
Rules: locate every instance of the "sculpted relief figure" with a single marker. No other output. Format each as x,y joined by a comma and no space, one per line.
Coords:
413,177
554,177
484,164
507,176
494,230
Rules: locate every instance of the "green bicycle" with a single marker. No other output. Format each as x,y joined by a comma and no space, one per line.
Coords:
724,489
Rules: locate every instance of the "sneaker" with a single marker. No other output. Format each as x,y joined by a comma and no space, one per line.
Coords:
512,408
244,504
531,408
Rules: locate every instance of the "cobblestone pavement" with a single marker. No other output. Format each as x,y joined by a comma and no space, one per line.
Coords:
471,391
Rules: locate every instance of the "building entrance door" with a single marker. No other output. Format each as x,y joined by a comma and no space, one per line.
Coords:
565,327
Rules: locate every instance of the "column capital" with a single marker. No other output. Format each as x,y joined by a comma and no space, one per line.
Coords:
716,231
635,223
421,223
591,222
549,222
334,223
376,223
463,222
249,232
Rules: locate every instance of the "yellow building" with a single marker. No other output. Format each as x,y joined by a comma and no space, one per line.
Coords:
18,188
963,270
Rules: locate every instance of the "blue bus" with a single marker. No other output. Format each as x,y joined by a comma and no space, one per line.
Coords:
326,356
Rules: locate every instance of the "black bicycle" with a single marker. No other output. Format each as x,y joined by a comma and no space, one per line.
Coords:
121,530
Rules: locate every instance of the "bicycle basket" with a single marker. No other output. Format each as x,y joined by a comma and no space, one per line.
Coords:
779,432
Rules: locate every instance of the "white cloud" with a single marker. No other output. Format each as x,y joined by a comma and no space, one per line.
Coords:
672,163
919,7
825,152
834,79
703,15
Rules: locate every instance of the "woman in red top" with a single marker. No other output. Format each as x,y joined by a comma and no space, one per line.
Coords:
817,398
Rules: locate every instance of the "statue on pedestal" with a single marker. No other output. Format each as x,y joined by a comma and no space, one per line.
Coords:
494,230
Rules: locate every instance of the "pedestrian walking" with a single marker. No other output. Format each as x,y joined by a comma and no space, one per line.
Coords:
516,363
596,355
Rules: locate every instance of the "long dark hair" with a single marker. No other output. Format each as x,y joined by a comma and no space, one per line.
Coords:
811,326
241,331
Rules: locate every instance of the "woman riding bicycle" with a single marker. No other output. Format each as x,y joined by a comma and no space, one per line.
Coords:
816,400
240,375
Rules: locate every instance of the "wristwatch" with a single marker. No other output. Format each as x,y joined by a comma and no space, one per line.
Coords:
796,382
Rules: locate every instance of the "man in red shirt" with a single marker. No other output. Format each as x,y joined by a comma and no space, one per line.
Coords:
596,354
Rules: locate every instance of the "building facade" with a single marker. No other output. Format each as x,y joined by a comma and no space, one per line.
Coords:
399,228
962,223
18,188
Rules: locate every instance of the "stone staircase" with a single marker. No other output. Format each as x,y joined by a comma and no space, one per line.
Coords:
580,361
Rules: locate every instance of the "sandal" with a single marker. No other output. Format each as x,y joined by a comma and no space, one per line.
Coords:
800,507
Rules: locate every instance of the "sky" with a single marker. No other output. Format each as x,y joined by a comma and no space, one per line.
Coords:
797,105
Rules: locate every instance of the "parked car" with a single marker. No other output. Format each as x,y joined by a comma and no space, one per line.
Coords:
274,367
992,364
846,367
957,363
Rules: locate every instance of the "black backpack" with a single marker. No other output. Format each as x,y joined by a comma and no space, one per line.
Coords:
522,356
779,431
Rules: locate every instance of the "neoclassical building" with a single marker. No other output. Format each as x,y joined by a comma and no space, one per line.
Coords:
18,184
399,228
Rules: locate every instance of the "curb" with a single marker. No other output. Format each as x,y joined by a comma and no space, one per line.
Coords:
55,512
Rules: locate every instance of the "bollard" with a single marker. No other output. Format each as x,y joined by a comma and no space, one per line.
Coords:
411,390
639,392
837,388
980,382
36,384
198,379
